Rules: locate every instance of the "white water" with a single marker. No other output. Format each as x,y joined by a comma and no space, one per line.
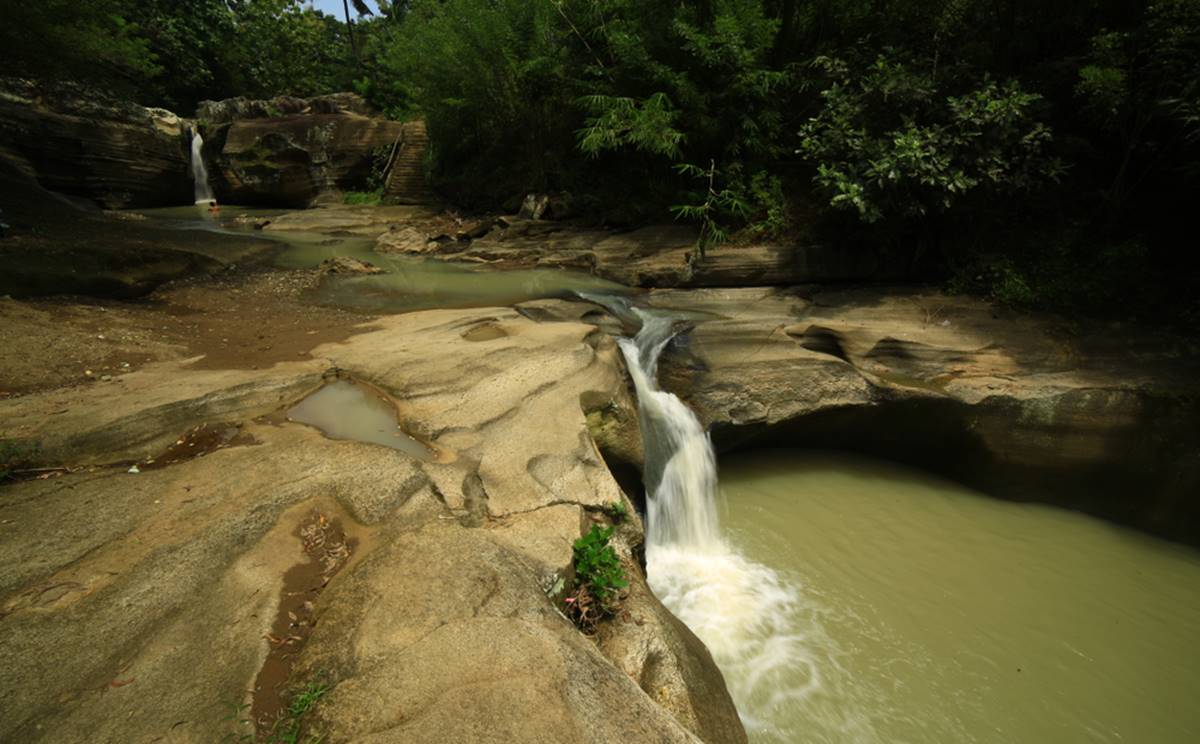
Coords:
745,613
199,172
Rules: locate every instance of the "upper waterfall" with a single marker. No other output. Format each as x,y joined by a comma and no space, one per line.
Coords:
199,172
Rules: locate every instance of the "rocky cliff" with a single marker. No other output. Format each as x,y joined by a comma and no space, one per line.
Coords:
293,152
1093,418
73,141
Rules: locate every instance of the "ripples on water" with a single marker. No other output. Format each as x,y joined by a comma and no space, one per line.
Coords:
862,602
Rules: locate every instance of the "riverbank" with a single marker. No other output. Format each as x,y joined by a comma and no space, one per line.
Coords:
529,409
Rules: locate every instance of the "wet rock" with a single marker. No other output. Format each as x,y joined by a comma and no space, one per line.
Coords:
257,223
478,230
348,265
126,216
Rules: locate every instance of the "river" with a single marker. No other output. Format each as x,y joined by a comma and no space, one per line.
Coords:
910,609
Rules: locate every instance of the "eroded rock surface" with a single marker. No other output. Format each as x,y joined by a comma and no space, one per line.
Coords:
135,605
292,152
74,141
1101,420
654,256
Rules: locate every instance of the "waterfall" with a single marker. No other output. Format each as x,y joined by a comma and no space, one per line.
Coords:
199,172
743,611
680,469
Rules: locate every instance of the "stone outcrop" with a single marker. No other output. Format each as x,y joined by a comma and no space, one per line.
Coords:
160,587
656,256
230,110
73,141
1099,420
54,247
293,152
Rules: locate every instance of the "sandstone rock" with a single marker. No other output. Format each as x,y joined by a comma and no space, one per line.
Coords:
292,152
348,220
437,630
348,265
235,109
663,255
404,240
77,142
1006,405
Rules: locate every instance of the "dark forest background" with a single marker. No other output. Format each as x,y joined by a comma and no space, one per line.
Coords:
1041,153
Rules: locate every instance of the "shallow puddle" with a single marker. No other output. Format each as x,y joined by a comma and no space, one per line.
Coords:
347,410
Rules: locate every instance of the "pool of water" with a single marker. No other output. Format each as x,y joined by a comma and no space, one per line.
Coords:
347,410
862,602
409,282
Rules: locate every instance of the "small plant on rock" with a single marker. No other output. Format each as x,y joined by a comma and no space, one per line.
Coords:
616,511
599,578
15,455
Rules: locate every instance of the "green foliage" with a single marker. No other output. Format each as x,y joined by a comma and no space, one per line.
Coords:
710,207
83,40
615,122
312,56
174,54
890,143
379,163
16,454
616,511
363,198
598,567
290,728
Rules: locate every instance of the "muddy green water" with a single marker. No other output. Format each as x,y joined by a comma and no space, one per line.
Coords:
345,410
409,282
908,609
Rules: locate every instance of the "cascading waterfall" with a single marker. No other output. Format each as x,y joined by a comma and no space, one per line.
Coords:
199,172
746,614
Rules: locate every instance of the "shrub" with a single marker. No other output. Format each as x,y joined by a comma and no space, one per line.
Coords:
368,198
616,511
599,578
14,455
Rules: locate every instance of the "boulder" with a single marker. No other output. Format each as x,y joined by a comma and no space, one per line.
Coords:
348,265
406,240
293,152
78,142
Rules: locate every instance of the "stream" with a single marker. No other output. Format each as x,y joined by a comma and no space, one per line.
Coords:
408,283
848,600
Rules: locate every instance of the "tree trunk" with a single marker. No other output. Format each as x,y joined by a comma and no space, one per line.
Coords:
350,29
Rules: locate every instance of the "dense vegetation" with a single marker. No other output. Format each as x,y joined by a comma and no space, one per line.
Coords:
1041,152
